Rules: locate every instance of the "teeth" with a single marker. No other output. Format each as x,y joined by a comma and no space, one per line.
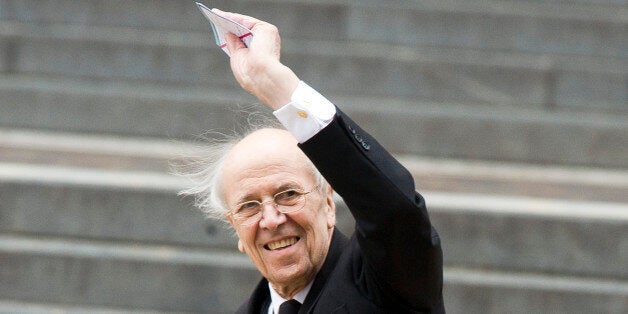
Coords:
282,244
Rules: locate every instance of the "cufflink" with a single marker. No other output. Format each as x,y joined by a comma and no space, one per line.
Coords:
302,114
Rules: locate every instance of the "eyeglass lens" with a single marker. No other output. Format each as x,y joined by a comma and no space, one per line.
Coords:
285,202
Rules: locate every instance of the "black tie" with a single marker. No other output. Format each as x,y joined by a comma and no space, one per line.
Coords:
290,307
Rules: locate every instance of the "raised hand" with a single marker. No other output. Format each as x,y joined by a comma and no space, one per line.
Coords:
258,68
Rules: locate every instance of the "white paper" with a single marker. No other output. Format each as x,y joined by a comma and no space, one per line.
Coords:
222,25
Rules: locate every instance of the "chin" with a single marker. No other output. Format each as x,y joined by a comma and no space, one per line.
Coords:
291,274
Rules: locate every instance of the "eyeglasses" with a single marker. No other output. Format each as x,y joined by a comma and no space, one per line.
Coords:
288,201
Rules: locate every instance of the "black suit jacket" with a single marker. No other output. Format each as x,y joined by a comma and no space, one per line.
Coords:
393,262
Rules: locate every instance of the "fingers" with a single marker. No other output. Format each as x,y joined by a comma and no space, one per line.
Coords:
255,25
234,43
266,38
247,21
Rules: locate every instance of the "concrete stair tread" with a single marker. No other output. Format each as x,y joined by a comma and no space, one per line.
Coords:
90,151
531,234
522,288
424,72
483,277
475,291
582,10
357,48
123,275
94,203
564,70
13,306
108,87
121,250
482,228
133,92
495,178
89,12
446,129
148,155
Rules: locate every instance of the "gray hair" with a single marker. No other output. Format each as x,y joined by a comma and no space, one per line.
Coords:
203,167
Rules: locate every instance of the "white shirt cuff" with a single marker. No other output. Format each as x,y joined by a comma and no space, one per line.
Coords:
306,114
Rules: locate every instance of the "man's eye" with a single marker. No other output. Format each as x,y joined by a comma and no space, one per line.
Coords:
247,207
287,196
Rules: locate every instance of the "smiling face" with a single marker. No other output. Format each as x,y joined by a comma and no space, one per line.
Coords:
288,249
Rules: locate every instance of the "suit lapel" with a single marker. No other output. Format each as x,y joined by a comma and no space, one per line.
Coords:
338,243
259,300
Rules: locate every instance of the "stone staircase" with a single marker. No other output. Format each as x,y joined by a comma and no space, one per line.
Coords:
511,115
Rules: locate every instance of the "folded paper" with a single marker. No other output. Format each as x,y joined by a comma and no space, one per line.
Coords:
222,25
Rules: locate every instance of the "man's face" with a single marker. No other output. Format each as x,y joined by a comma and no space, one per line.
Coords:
288,249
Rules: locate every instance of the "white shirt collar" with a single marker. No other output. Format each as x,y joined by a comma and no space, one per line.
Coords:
276,299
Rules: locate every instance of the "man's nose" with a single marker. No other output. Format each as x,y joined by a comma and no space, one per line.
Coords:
271,217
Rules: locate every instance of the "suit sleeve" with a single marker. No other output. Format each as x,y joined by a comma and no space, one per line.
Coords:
401,250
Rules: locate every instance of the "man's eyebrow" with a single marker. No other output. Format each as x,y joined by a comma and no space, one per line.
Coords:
280,188
289,186
244,198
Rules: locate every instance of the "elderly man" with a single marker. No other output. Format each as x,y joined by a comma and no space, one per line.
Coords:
272,186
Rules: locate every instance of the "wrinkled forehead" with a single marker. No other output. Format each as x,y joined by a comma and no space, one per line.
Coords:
267,153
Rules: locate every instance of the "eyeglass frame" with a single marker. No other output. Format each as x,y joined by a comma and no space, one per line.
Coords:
302,193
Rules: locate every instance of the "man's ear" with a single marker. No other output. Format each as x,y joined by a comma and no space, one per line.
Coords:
229,219
330,208
241,246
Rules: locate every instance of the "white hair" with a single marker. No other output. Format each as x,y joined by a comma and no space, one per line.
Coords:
203,169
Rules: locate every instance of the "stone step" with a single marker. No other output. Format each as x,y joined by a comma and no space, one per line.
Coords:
159,278
12,306
535,26
489,133
301,16
532,235
91,151
127,275
117,107
551,182
526,234
343,20
449,130
473,291
483,230
103,204
422,73
460,176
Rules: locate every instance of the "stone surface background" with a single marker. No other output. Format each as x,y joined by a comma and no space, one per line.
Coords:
511,114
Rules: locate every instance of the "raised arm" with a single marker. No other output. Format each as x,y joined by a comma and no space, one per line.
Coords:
401,252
